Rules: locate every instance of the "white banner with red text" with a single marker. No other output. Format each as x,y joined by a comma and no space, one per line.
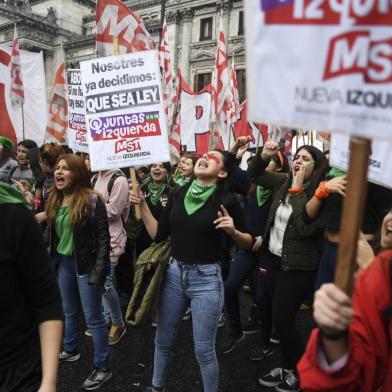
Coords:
126,123
77,133
325,65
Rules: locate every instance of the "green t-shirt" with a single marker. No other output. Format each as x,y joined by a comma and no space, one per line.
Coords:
64,231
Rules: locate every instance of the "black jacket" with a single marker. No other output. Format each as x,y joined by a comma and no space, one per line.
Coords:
91,245
302,241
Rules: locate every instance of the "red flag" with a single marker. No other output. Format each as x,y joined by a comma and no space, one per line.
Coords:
245,128
114,19
234,96
220,85
169,93
58,109
17,89
175,129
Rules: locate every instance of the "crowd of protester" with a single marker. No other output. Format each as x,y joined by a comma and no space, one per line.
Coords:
70,241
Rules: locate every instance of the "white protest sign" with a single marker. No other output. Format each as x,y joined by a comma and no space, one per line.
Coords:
318,64
77,133
380,164
125,118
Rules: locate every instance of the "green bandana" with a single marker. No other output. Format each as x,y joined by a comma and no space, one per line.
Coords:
262,195
11,195
197,195
7,143
181,180
156,192
333,173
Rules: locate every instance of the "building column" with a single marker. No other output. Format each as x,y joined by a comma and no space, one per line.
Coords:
173,26
224,7
49,72
187,18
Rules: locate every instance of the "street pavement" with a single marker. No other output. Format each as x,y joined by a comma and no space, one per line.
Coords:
132,361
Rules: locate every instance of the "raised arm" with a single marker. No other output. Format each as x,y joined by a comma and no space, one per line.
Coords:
257,172
336,185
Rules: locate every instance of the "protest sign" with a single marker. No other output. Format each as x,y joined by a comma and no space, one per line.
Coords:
321,64
126,124
77,133
380,164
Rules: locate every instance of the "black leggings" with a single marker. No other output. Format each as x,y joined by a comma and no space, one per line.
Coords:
286,290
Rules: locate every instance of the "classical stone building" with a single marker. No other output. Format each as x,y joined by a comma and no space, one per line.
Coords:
69,25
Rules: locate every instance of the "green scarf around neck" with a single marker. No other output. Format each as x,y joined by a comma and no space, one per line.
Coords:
180,180
197,195
262,195
11,195
333,173
156,192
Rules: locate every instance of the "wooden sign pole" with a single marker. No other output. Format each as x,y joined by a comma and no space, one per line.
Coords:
353,209
132,170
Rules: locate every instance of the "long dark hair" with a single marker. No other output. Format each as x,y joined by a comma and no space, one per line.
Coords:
319,171
225,186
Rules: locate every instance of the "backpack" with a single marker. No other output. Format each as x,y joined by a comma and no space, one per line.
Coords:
113,178
149,275
132,226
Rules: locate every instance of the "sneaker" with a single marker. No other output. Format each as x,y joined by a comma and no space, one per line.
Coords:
274,339
154,324
116,333
290,383
259,354
65,356
252,327
273,378
188,314
229,345
96,379
221,321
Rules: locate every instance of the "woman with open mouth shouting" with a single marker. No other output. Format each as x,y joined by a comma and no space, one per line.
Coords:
80,242
292,252
196,218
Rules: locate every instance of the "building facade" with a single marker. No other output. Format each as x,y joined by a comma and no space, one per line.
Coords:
52,26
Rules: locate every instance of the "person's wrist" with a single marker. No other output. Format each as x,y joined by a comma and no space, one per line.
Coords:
333,335
322,192
295,190
265,157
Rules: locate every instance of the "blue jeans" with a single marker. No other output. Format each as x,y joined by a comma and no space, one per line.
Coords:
76,291
110,299
202,286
